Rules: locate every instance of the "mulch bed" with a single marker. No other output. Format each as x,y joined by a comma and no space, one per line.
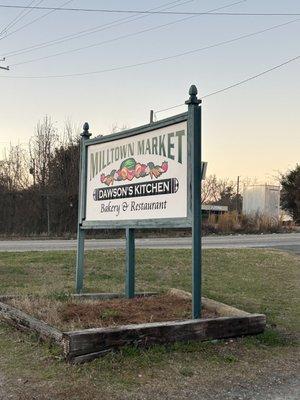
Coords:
83,314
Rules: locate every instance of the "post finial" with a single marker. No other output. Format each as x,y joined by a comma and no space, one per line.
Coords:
193,90
86,134
193,96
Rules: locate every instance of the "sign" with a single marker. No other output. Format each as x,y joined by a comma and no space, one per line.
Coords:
146,177
139,177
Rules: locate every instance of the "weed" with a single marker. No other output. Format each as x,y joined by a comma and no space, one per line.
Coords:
230,358
59,296
109,313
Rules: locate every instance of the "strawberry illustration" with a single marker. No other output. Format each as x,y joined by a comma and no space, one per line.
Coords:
164,166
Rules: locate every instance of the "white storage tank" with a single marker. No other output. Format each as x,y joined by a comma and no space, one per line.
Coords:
262,200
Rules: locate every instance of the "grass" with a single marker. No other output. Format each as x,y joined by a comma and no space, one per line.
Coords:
253,280
72,314
232,222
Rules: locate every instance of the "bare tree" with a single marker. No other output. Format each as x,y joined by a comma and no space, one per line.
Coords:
13,180
70,133
115,128
41,149
212,187
13,171
50,203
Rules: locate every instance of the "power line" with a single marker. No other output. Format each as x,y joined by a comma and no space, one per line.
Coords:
250,78
5,68
161,59
95,29
34,20
112,40
18,17
148,12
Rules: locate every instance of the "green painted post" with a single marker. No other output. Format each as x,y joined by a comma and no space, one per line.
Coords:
130,253
130,263
81,208
194,127
80,259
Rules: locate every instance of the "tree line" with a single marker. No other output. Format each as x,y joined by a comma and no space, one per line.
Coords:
39,184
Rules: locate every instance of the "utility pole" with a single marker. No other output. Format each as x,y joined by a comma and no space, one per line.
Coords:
237,193
32,171
48,216
6,68
151,116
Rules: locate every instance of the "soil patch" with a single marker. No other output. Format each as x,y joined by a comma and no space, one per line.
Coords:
83,314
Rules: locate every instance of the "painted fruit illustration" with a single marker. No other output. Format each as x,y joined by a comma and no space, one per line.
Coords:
102,178
129,164
138,170
123,173
164,166
130,169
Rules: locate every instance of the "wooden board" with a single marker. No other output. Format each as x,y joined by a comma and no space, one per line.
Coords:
79,345
108,296
85,345
211,305
25,322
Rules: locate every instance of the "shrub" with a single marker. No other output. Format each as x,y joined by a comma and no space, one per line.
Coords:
232,222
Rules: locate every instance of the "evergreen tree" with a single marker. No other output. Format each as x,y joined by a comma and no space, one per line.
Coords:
290,193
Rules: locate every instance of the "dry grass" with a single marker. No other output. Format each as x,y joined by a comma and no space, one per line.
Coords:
42,308
83,314
232,222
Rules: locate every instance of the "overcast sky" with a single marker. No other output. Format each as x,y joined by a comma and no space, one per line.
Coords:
252,130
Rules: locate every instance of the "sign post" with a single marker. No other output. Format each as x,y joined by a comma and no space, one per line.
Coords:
194,127
85,135
130,263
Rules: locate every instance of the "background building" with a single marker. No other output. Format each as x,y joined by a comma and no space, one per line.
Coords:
262,199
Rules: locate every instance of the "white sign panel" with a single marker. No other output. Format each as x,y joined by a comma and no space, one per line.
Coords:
139,177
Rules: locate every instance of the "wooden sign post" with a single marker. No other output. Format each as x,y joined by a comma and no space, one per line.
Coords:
130,264
81,208
194,127
146,177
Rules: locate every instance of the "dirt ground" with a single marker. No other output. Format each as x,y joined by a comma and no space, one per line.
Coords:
83,314
252,375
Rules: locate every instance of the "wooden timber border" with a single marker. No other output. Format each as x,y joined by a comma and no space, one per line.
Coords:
25,322
87,344
108,296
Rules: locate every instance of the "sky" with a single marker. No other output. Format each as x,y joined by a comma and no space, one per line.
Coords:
252,130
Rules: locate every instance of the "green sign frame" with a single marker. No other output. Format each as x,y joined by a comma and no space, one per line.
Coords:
151,222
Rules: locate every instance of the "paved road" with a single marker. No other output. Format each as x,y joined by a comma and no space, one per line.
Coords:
289,241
